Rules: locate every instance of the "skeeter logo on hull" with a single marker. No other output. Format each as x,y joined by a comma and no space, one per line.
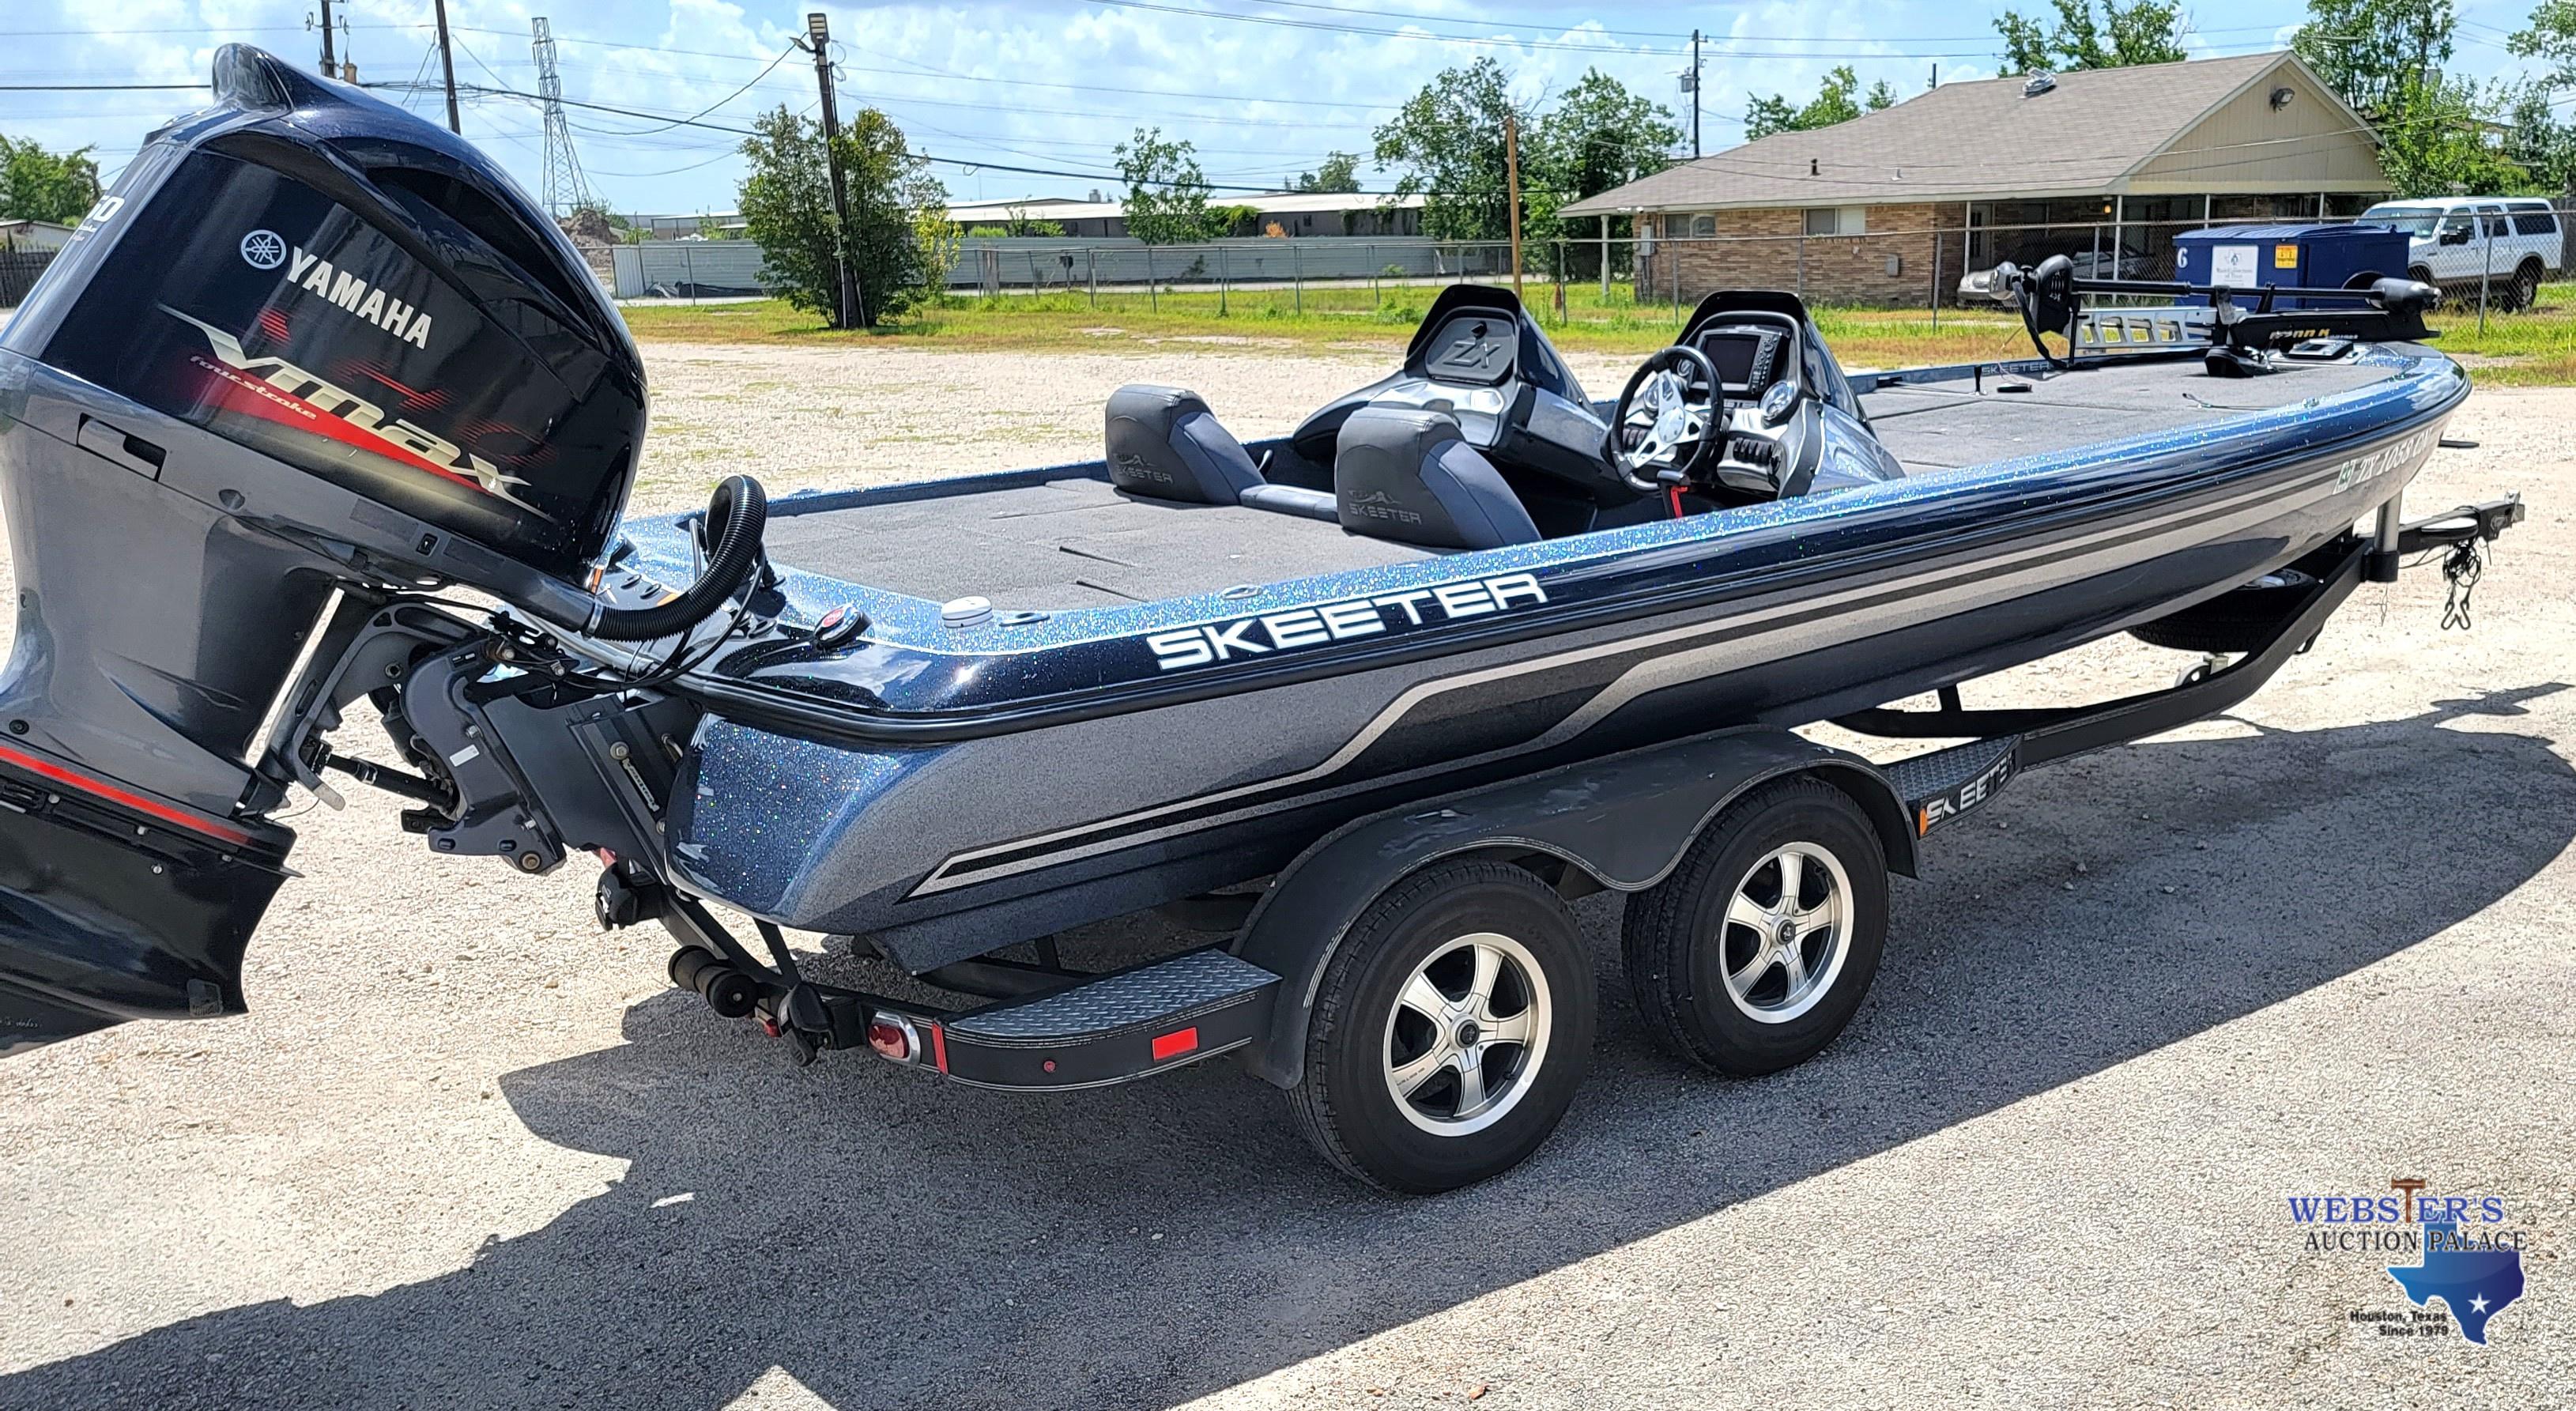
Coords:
1213,642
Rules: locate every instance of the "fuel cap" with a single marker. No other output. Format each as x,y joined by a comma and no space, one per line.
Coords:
839,627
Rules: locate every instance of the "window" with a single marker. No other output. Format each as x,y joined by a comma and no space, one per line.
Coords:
2497,225
2534,223
1838,220
1703,225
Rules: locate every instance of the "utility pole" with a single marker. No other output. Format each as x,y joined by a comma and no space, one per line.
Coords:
330,69
447,66
1512,181
1694,87
818,30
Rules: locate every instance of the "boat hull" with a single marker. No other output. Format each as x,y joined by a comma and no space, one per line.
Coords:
952,847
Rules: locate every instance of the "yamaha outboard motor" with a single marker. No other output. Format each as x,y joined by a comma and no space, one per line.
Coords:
309,343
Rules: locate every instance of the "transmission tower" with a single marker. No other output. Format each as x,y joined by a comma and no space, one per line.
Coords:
564,188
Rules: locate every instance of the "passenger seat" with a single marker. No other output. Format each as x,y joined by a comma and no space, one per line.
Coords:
1164,444
1408,473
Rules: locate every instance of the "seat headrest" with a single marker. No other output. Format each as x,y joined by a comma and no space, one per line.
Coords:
1163,442
1406,473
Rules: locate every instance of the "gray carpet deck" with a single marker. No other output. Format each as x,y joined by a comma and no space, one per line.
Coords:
1079,543
1067,544
1947,425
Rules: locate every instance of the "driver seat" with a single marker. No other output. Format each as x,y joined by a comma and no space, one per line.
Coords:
1407,473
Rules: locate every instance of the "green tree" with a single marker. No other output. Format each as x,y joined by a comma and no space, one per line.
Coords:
2140,32
1837,100
1448,140
2539,143
939,239
2369,50
786,203
1339,172
1167,194
2551,38
1599,135
39,185
1882,94
2435,141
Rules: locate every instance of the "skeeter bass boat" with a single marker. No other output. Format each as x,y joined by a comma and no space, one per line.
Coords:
1174,668
314,361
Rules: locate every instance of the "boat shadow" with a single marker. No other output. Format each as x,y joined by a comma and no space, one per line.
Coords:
886,1240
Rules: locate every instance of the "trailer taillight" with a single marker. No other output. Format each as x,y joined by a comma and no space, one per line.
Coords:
894,1037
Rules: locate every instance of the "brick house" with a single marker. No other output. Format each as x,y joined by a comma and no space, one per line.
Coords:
2106,165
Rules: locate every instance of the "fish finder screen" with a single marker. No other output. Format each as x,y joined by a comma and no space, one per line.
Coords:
1732,355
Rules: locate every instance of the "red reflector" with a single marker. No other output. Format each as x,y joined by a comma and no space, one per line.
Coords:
939,1048
889,1038
1176,1043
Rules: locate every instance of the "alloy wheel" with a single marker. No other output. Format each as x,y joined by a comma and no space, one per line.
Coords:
1468,1034
1786,931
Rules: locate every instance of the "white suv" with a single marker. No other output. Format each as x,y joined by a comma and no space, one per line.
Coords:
2508,243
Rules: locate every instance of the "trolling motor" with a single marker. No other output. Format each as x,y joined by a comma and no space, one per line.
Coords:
2238,340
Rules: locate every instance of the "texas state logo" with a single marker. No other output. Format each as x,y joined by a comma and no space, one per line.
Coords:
2455,1250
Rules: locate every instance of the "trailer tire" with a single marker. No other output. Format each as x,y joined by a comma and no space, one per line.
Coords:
1680,944
2240,620
1449,923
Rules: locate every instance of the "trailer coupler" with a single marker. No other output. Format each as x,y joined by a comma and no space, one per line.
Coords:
1085,1031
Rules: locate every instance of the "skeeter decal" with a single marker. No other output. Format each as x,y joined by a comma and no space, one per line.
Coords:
1213,642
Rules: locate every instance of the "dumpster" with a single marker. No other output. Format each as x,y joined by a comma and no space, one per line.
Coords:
2305,256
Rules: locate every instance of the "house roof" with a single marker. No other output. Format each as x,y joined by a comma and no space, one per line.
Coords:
1980,140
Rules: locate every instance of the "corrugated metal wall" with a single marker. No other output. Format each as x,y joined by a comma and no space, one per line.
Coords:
709,268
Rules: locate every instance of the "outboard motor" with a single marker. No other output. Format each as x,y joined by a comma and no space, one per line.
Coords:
308,343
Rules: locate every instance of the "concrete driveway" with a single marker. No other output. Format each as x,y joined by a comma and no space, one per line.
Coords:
467,1151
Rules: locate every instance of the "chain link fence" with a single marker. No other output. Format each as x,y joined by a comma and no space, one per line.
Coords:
1917,267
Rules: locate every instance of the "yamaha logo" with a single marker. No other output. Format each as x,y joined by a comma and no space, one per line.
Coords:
262,249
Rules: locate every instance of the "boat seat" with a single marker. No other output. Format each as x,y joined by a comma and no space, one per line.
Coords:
1407,473
1165,444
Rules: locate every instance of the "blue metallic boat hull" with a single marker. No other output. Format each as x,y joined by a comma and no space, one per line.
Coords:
952,796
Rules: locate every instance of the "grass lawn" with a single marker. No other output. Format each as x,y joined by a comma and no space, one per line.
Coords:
2537,348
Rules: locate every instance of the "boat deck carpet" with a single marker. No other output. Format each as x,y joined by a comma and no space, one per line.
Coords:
1076,543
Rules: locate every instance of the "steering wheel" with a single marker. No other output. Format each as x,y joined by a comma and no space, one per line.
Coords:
1666,424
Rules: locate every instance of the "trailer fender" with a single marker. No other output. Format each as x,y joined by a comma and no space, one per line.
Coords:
1620,822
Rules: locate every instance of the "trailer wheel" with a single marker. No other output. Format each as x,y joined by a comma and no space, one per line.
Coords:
1755,952
1451,1028
2239,620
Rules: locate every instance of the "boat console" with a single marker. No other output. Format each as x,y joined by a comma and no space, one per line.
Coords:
1484,437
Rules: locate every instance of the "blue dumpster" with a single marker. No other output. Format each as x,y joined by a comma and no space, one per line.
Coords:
2305,256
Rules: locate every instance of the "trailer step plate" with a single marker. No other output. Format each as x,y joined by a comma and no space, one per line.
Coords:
1940,786
1111,1028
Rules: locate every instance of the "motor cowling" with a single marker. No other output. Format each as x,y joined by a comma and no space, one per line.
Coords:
341,286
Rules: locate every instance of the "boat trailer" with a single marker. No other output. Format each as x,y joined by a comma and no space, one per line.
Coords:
1619,823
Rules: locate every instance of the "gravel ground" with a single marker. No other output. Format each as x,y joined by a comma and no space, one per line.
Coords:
466,1151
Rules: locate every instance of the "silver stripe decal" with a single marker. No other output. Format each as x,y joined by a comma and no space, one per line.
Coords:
1646,676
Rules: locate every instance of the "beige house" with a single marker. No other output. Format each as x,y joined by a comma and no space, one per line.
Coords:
2106,165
